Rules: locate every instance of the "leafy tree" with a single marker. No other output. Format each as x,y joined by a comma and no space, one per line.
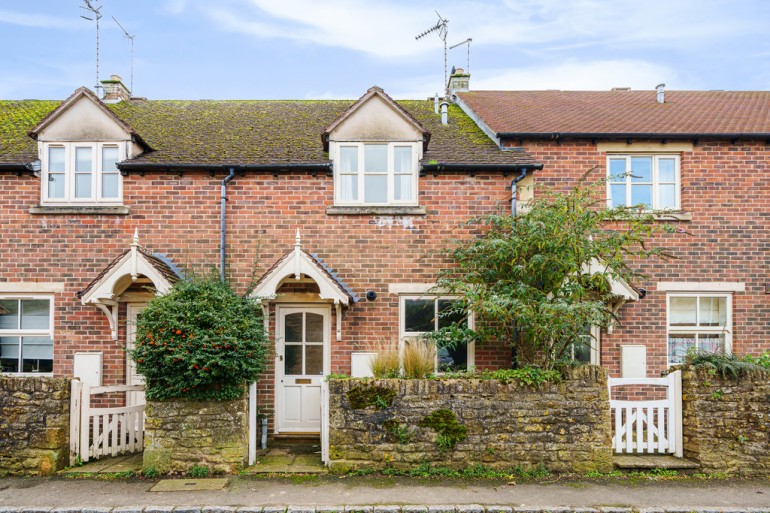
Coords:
200,341
537,280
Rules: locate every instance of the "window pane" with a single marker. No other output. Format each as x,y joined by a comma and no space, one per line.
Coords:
375,158
348,188
56,160
9,354
349,159
713,311
37,354
376,189
402,162
581,352
667,196
712,343
418,315
641,195
292,365
9,314
678,345
110,186
83,186
445,318
35,314
292,326
617,170
682,311
618,193
667,170
314,328
314,360
109,159
452,359
641,169
403,190
83,160
55,186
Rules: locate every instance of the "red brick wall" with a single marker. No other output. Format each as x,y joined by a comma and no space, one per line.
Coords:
725,187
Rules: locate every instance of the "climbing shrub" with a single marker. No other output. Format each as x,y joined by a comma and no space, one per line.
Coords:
200,341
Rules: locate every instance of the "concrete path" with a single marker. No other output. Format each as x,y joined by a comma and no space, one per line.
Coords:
314,494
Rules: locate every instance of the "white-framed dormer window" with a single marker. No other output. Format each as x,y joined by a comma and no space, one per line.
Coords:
82,173
650,180
26,334
701,321
420,315
374,173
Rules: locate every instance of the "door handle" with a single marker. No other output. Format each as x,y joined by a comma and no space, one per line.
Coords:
280,357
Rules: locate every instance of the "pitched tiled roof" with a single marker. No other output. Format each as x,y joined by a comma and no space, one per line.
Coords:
253,132
620,113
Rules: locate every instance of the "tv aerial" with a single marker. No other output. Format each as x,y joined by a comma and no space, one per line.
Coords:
93,12
468,61
130,38
440,28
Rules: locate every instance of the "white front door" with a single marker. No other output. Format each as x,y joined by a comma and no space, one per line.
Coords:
132,377
302,360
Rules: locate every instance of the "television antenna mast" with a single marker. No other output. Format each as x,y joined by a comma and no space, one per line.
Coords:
92,8
466,42
441,29
130,38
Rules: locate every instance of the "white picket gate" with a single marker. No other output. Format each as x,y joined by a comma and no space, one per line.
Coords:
648,426
96,432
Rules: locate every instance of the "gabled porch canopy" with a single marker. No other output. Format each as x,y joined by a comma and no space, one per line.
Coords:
297,264
105,290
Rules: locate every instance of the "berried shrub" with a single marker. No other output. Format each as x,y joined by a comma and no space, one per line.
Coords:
200,341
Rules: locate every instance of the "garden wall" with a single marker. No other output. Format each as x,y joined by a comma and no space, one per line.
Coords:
180,434
727,422
34,424
460,422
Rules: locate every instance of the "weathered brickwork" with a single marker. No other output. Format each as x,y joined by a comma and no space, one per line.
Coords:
180,434
724,188
34,425
562,426
727,422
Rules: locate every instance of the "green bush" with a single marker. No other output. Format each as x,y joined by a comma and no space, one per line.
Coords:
727,365
198,471
200,341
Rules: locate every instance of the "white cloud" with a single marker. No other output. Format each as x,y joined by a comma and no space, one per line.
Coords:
34,20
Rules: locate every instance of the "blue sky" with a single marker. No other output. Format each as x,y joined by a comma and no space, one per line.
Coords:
305,49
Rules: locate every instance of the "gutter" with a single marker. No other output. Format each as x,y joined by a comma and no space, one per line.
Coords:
125,167
479,168
631,135
14,167
223,227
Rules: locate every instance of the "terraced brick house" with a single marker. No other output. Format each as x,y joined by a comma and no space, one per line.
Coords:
331,213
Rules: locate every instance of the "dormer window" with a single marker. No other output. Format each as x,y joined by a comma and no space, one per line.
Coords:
376,173
82,173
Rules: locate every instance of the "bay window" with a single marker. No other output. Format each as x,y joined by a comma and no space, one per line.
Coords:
84,173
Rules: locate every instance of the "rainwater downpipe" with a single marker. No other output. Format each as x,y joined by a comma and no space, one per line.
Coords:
222,228
513,190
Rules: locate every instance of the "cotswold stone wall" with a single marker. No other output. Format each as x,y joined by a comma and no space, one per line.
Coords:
727,422
180,434
459,422
34,425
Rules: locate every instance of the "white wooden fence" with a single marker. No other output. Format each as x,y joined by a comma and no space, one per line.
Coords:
96,432
648,426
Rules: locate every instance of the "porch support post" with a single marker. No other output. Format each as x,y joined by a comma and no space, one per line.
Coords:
338,308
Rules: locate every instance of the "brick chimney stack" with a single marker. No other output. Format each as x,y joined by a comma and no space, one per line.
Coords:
459,82
115,90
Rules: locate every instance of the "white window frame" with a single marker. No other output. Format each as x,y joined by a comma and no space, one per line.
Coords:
391,174
404,336
30,332
700,330
69,198
656,157
595,346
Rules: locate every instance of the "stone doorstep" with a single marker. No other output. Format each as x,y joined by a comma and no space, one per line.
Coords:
470,508
651,461
190,485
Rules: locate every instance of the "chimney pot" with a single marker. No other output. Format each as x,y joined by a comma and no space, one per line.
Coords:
661,93
444,113
435,103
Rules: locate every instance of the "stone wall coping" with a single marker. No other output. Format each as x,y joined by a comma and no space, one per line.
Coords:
379,508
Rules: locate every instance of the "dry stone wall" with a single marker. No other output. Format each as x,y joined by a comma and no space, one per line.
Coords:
727,422
180,434
34,425
564,426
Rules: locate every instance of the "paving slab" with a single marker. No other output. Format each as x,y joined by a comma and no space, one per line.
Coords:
190,485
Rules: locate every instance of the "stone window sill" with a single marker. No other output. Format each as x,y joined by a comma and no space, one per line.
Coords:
666,216
377,211
74,209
